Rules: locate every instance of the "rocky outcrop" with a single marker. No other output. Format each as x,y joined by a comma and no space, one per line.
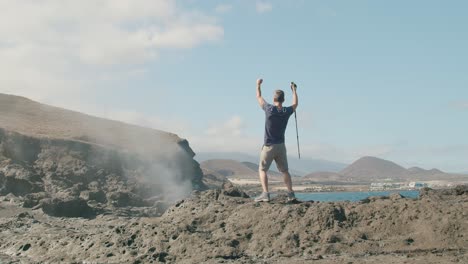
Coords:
221,226
67,207
51,153
56,167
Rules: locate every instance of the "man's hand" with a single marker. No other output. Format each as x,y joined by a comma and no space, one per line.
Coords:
260,99
295,100
293,87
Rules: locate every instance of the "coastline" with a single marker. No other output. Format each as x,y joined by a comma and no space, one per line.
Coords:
252,186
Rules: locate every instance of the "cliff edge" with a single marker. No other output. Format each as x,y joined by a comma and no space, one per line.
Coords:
58,159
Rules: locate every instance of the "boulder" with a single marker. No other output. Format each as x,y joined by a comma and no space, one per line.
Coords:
230,190
67,207
125,198
98,196
33,199
18,186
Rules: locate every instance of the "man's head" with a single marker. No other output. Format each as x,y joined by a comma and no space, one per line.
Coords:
279,96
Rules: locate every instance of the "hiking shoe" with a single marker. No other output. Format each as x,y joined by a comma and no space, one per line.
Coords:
291,196
264,197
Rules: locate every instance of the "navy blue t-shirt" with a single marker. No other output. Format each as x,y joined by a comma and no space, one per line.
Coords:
276,122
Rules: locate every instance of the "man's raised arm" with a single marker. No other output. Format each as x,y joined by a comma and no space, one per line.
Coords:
294,96
260,99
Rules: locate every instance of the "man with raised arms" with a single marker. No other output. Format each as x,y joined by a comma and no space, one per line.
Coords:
276,121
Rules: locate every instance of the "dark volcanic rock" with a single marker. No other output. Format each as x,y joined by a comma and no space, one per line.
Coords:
230,190
214,227
92,172
18,186
16,179
461,190
33,199
98,196
122,199
458,190
67,207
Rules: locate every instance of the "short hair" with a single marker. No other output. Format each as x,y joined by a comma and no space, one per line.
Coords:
279,96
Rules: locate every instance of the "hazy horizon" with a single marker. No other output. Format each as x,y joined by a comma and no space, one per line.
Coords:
384,79
252,157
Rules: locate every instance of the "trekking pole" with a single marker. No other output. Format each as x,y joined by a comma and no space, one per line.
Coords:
295,117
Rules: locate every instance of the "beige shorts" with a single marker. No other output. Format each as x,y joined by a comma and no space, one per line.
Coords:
276,152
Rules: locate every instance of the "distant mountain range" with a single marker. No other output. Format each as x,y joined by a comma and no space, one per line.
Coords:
297,166
372,169
365,169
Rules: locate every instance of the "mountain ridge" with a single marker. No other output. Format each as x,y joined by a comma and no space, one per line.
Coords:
32,118
372,169
297,166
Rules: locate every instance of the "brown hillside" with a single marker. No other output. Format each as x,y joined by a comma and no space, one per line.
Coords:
416,170
254,167
235,169
371,168
229,168
212,179
28,117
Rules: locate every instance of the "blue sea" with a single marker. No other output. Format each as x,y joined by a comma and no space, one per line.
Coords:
350,196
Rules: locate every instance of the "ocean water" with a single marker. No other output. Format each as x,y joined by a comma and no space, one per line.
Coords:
351,196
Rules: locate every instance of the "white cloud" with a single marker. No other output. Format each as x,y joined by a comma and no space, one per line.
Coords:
104,32
223,8
263,7
56,46
229,135
231,127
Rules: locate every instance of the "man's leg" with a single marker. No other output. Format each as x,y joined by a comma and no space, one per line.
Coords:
281,160
263,180
287,181
266,158
265,161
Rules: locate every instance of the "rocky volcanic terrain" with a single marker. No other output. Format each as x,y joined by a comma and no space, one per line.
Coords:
224,226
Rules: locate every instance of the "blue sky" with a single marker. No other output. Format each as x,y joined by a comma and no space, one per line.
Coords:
380,78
